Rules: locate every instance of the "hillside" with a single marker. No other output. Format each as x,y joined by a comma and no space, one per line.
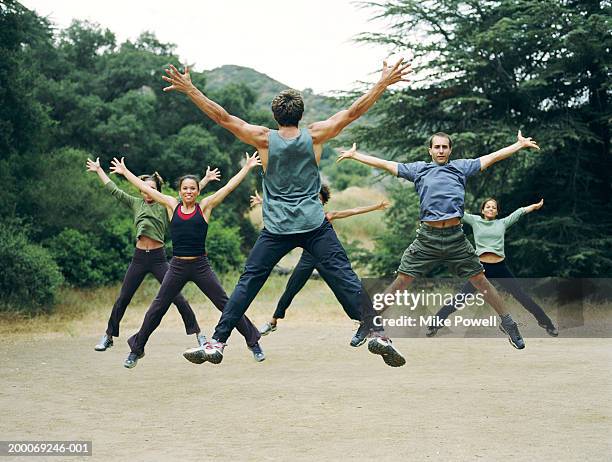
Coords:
317,107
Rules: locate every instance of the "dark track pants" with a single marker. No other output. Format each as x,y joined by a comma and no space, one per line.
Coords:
332,263
181,272
144,262
500,273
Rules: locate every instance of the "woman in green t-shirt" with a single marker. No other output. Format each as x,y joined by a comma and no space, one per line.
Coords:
151,222
489,233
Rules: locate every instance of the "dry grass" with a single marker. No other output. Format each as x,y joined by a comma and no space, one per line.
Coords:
80,312
360,227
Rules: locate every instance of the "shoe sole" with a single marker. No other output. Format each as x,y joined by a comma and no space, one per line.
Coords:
510,339
215,358
390,355
195,355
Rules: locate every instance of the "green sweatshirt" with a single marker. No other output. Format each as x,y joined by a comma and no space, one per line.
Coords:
151,220
489,234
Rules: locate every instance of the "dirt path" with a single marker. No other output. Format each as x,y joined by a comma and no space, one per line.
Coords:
314,398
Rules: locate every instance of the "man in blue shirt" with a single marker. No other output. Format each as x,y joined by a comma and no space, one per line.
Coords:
440,185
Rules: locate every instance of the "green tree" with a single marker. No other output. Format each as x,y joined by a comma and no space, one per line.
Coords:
486,69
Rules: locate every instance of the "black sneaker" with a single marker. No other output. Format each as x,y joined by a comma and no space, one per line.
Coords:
105,343
514,336
258,353
132,360
361,335
432,331
550,329
381,345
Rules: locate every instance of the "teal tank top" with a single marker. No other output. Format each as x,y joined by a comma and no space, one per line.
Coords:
291,185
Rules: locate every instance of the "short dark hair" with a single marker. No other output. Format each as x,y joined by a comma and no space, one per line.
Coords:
188,177
156,178
484,202
441,135
325,193
288,108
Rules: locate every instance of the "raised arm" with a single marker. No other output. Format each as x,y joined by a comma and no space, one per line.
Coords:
330,128
388,165
522,142
382,205
117,193
118,167
209,203
534,207
210,175
254,135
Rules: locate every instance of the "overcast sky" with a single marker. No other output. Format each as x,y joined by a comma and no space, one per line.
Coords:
301,43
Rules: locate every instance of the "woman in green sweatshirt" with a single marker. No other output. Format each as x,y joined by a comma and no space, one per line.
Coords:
151,222
489,233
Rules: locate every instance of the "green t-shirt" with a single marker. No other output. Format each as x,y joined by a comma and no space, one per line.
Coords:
151,220
489,234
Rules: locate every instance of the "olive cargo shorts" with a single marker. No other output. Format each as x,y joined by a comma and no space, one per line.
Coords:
440,245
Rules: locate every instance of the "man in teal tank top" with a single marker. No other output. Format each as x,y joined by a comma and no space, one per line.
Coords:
293,215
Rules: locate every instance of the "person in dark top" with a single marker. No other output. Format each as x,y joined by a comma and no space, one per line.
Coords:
151,222
188,228
292,212
307,263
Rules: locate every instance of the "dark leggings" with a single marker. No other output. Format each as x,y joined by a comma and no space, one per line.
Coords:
180,272
332,263
500,273
144,262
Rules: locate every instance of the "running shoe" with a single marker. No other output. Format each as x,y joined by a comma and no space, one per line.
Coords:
258,353
514,336
550,329
381,345
267,328
360,336
132,360
105,343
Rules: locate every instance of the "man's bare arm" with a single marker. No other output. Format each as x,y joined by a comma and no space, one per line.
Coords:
330,128
382,205
254,135
388,165
504,153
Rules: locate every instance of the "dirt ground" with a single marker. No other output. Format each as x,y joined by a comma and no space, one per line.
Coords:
314,398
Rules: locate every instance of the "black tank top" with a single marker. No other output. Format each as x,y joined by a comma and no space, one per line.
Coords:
188,232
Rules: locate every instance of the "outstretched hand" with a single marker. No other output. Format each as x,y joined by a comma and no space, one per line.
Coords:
118,166
539,205
93,166
179,82
526,142
212,175
256,199
347,154
384,204
252,161
395,73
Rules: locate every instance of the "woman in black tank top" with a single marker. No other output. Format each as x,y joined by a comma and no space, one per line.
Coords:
188,228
